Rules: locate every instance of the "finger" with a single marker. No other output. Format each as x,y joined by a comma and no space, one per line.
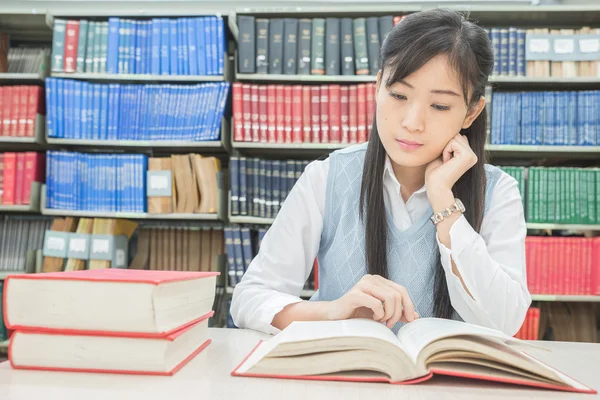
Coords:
396,300
385,295
401,309
448,151
362,299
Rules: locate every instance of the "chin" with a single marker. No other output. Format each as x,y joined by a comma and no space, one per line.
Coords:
409,158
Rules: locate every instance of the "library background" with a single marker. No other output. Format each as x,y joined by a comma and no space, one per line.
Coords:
166,135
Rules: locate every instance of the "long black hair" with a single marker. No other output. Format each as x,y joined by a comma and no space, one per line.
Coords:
411,44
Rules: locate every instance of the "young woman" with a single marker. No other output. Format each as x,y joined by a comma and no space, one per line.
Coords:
413,223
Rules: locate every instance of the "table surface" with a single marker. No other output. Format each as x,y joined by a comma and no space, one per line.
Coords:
207,376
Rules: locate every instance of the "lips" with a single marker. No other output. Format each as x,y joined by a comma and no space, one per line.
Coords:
408,144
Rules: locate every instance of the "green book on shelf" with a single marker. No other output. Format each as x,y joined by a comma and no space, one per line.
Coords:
583,196
543,194
530,213
572,197
597,196
562,194
551,195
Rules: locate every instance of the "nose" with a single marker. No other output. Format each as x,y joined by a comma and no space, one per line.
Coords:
414,118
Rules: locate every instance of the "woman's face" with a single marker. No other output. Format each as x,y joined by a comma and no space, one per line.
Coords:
417,117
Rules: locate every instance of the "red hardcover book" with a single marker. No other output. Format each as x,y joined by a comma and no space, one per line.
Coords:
315,110
533,275
271,114
362,112
280,113
353,113
287,113
34,108
238,112
114,354
23,110
314,355
263,113
587,287
370,89
1,176
10,171
345,114
3,106
15,106
254,113
596,267
297,114
334,114
576,271
60,302
306,114
32,169
554,254
247,110
19,178
324,93
71,43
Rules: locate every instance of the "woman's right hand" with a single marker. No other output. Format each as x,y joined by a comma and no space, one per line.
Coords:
377,298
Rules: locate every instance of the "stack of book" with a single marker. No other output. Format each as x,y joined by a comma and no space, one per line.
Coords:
18,171
303,114
165,46
531,326
111,321
509,51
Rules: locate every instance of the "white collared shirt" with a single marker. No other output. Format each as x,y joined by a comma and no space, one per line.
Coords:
491,263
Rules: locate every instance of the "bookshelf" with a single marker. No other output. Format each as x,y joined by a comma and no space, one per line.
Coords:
146,78
565,298
34,202
39,138
22,78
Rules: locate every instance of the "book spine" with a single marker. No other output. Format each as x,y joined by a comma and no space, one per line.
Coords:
276,46
495,38
10,171
279,114
297,114
353,113
287,113
504,51
316,114
243,187
512,51
347,46
362,112
58,44
324,98
361,58
254,112
318,47
334,113
332,46
262,46
271,114
304,46
344,114
247,61
306,114
81,46
263,113
373,44
290,49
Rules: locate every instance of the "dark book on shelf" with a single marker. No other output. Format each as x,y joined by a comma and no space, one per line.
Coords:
262,46
247,47
318,47
332,46
373,44
346,46
361,56
304,46
290,48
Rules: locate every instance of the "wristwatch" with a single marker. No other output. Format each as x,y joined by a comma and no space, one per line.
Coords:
457,206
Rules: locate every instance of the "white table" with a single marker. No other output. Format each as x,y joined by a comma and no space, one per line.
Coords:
208,377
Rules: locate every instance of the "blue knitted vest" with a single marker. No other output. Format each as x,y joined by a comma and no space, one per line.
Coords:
413,254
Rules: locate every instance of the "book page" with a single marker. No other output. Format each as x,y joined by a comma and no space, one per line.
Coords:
416,335
306,331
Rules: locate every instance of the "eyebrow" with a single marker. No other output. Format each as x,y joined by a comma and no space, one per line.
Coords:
436,91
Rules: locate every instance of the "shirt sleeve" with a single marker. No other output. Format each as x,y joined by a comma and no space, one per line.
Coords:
491,263
276,276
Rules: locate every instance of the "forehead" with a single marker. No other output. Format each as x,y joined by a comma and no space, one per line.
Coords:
436,74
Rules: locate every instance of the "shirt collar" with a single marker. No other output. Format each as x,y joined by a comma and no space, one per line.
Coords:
388,172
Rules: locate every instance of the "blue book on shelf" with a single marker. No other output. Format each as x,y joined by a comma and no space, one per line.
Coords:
140,42
112,56
104,112
173,40
67,109
132,46
126,45
49,175
496,116
165,46
213,45
50,107
155,51
148,52
184,46
231,270
504,51
572,118
221,45
512,51
192,46
521,62
77,108
96,98
60,108
121,52
246,247
201,45
208,38
495,38
527,130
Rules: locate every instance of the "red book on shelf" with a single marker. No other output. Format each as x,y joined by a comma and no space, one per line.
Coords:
534,244
34,172
324,93
71,43
33,108
10,171
287,113
334,114
297,114
19,178
254,114
596,267
344,113
362,112
238,112
247,111
15,104
587,287
576,270
23,110
370,89
353,113
263,113
271,114
316,274
306,114
113,354
1,176
2,109
315,110
554,257
280,113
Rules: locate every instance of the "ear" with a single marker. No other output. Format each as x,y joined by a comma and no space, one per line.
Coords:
473,113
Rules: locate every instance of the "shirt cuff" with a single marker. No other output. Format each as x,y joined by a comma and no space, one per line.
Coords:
273,307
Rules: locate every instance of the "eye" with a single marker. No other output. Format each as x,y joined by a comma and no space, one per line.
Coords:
398,96
440,108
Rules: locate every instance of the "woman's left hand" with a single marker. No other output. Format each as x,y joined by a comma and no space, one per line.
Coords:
456,159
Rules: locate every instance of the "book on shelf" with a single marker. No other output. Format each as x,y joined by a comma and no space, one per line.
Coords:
157,46
94,111
302,113
561,118
530,328
18,171
19,107
311,46
19,237
365,350
79,322
24,60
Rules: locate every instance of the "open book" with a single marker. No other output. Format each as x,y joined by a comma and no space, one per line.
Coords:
365,350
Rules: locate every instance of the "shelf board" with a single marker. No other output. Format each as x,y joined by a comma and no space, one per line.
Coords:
33,206
129,215
574,227
306,78
21,77
542,149
560,297
289,146
250,220
136,143
531,81
90,76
